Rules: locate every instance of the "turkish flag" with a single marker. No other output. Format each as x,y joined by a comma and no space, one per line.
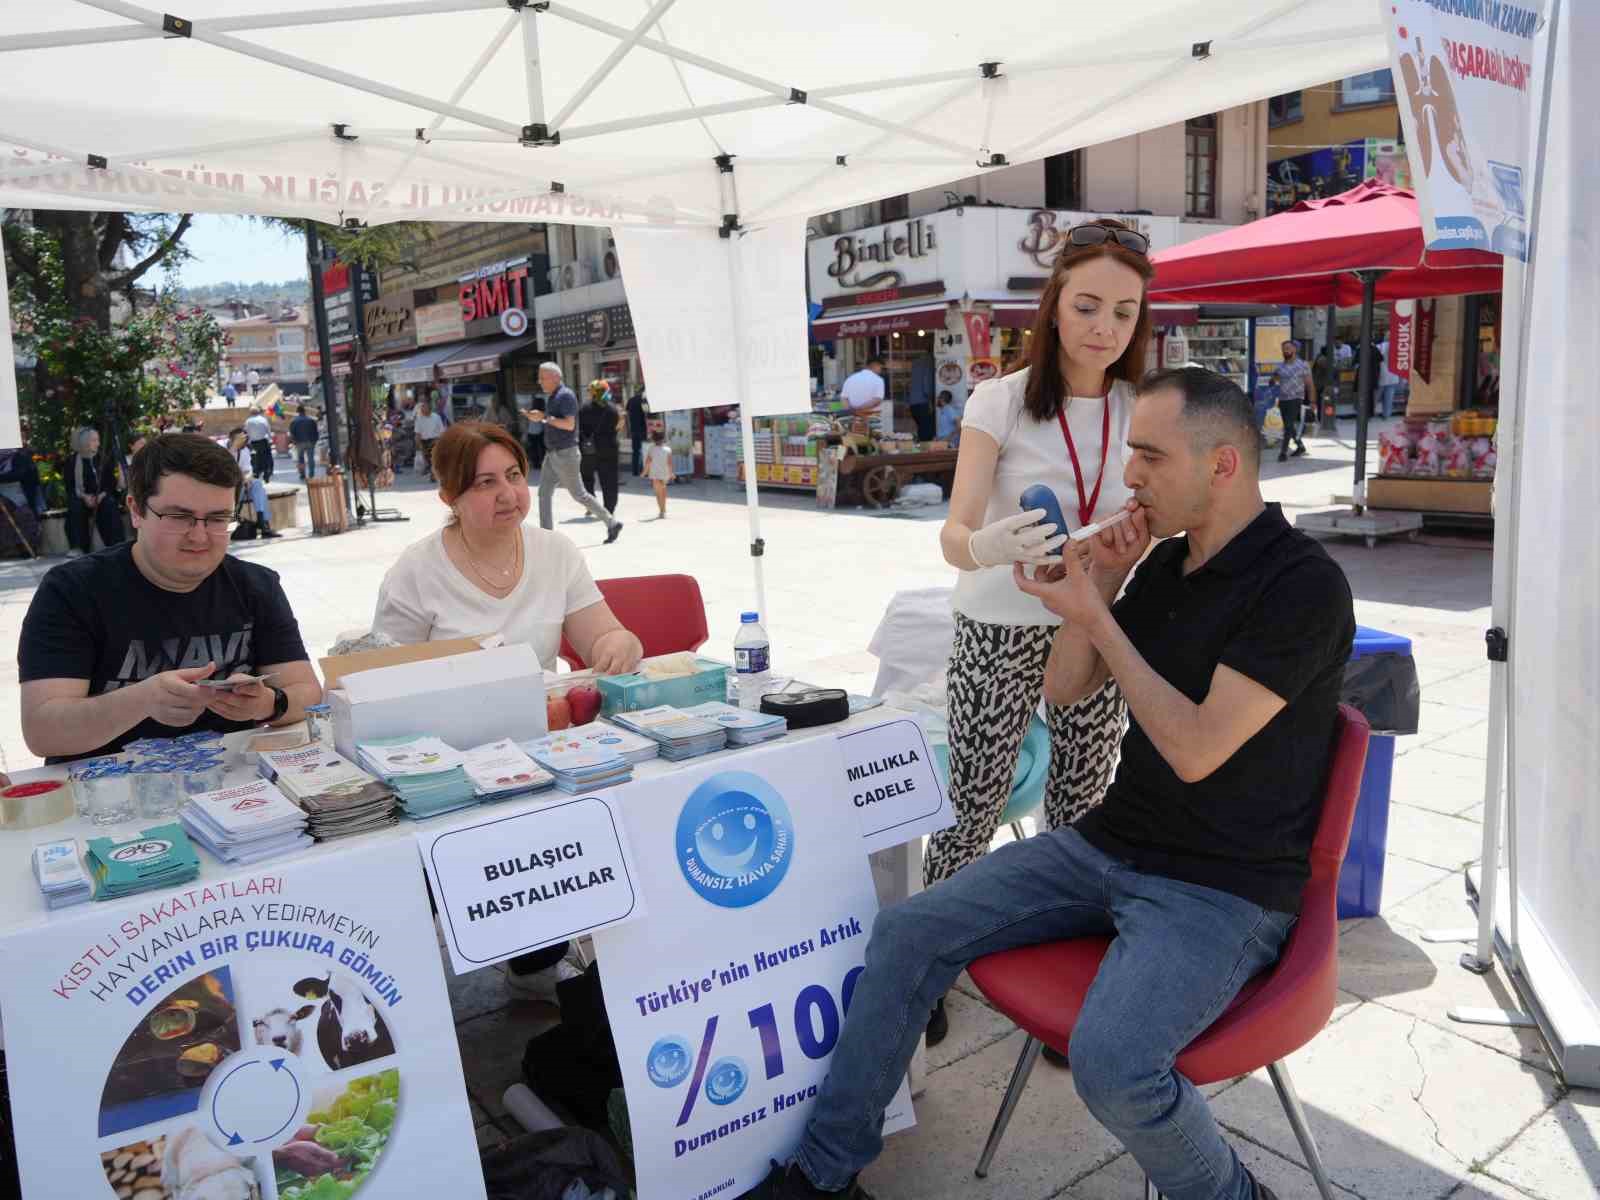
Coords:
977,334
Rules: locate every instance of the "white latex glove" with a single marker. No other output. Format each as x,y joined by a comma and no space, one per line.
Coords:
1018,539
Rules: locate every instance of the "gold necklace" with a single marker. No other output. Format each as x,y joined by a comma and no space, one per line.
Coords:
510,572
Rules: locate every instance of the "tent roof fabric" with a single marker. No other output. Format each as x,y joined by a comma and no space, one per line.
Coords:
609,112
1311,253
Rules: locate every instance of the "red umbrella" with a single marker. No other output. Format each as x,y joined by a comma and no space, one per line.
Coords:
1312,254
1358,247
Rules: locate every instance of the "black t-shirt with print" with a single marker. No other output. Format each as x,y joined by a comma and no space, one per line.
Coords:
1273,606
98,618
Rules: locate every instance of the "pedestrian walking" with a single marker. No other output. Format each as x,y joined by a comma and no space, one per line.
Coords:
254,380
429,428
1388,381
1295,388
638,427
1325,378
303,433
658,468
949,416
1061,421
259,433
599,448
920,399
559,420
92,495
864,394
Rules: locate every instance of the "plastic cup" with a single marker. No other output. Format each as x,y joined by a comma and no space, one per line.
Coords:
156,791
108,794
205,775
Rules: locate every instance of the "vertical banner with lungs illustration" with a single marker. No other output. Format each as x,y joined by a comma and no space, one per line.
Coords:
1464,79
282,1034
727,1001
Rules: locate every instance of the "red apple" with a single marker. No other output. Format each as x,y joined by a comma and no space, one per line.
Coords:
584,699
557,712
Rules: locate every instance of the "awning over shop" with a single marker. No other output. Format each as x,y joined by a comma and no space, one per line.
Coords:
878,322
482,357
417,367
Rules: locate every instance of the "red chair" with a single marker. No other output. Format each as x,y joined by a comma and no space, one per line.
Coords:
665,612
1042,987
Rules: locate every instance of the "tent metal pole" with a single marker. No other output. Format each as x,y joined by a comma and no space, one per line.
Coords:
618,53
747,437
244,24
1366,378
673,117
305,67
899,129
532,65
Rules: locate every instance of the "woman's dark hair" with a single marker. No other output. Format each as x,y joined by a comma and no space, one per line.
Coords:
189,454
1046,393
455,454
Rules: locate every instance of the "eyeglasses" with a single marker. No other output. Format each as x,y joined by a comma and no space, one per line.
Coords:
186,521
1098,235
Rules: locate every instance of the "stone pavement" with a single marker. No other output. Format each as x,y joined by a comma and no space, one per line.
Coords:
1405,1104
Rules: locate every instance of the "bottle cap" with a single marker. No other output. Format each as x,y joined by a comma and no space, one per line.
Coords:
749,618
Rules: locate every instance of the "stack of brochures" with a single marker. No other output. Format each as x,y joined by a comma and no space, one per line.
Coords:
248,823
338,797
678,732
158,857
580,763
745,727
428,775
501,770
60,875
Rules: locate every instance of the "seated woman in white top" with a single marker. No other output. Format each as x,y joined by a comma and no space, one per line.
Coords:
487,571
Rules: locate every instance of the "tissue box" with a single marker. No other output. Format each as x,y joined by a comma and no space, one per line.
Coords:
629,693
465,699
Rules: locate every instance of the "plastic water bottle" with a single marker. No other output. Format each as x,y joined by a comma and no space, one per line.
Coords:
752,660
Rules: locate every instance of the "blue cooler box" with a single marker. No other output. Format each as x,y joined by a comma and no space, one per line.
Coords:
1361,877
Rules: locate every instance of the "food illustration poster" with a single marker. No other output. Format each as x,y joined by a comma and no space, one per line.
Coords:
285,1033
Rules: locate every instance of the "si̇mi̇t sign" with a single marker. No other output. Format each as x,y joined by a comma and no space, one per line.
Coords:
510,884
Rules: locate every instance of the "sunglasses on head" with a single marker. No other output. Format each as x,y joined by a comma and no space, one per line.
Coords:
1098,235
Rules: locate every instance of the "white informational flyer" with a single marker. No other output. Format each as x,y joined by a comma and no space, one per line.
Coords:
727,1002
281,1033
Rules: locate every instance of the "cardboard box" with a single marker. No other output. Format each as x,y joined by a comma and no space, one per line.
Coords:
1430,495
629,693
465,699
335,669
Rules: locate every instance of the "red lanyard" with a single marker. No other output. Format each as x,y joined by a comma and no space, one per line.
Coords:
1086,504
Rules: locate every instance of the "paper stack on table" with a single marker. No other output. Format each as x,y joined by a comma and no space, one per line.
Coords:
428,775
580,764
246,824
338,797
500,770
158,857
680,734
60,874
745,728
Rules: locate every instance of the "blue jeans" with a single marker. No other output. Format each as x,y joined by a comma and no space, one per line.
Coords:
1180,955
257,491
1386,395
305,457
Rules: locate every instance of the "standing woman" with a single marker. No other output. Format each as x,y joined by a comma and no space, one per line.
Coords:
598,425
91,495
1060,420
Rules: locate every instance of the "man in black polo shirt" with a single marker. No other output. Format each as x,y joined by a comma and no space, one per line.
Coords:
1196,861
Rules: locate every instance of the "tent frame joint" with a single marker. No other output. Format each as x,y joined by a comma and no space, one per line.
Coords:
796,96
730,225
96,162
557,187
841,160
990,70
1498,644
724,163
758,548
538,134
537,6
176,26
1200,51
339,128
994,160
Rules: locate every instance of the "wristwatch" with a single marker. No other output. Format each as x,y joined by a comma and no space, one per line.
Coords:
280,703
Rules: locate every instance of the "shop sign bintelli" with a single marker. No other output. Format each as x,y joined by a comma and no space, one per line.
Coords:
882,262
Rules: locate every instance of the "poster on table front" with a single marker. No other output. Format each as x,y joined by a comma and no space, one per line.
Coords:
726,1004
1464,80
281,1035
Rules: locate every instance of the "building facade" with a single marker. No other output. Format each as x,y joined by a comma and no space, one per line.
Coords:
1326,139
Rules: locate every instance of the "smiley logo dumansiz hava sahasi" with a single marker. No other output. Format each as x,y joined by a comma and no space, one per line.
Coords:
735,839
669,1061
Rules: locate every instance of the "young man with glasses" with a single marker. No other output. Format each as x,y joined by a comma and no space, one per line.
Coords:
114,643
